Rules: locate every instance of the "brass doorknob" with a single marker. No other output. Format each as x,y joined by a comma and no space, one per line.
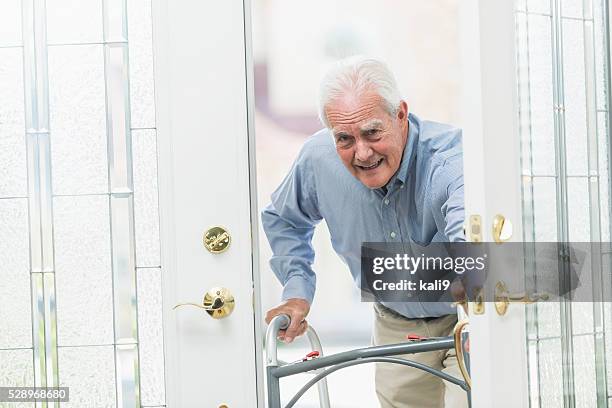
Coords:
218,303
503,298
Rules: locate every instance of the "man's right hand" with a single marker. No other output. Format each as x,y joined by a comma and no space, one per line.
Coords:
297,309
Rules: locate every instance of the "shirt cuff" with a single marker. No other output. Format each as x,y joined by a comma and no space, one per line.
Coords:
298,288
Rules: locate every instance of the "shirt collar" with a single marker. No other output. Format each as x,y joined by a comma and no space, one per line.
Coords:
409,152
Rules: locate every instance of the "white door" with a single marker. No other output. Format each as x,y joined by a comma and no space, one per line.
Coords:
124,136
537,152
202,66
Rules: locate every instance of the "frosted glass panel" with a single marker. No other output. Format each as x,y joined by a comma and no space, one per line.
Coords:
600,53
604,174
551,386
10,24
578,209
17,369
608,339
575,98
571,8
545,209
549,324
90,374
83,270
145,198
141,64
78,119
15,304
12,126
74,21
150,336
584,372
541,93
538,6
582,312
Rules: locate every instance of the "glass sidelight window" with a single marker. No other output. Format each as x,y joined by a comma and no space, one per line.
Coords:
563,65
80,302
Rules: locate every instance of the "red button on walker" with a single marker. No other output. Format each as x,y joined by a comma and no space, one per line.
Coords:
311,355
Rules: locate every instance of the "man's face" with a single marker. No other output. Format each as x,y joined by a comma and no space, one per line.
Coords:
369,141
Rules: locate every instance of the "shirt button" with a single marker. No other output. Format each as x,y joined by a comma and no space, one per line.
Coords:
386,201
392,234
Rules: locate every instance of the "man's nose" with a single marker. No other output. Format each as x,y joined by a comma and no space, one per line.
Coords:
363,151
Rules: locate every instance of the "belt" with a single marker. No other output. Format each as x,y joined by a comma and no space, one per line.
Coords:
401,316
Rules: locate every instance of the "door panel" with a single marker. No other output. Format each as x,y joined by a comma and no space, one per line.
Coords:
81,251
202,120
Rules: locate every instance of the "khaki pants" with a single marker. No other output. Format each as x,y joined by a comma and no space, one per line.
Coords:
399,386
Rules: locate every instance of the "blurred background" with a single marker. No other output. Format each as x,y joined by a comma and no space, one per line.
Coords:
293,44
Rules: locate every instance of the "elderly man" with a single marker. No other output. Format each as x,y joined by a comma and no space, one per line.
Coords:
375,174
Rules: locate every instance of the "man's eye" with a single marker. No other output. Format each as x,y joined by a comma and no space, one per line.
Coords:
372,131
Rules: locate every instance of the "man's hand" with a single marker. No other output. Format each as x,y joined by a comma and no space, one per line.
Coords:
297,309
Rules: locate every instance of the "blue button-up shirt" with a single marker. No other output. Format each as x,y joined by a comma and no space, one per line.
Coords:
423,203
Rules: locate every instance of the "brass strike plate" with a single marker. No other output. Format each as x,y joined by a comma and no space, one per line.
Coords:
478,306
475,228
217,240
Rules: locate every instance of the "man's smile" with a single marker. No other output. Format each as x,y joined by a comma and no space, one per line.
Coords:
370,167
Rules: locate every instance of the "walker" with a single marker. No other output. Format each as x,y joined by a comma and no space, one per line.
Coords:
322,366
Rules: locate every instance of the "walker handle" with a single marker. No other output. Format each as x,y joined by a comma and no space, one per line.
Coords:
284,321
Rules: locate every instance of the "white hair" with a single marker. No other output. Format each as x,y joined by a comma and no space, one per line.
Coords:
358,74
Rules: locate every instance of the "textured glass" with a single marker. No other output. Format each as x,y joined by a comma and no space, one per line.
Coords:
124,270
115,24
126,362
545,209
584,372
118,119
150,336
575,98
600,55
604,174
539,6
548,321
74,21
90,374
146,214
10,23
12,125
532,366
582,312
142,96
16,369
608,339
551,386
78,119
571,8
523,92
83,270
578,209
541,94
15,304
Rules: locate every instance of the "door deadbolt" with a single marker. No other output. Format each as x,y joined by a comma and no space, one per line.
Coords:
217,240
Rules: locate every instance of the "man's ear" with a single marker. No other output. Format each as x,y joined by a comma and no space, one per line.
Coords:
402,113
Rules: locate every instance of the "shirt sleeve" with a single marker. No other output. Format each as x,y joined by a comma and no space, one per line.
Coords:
289,222
449,182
